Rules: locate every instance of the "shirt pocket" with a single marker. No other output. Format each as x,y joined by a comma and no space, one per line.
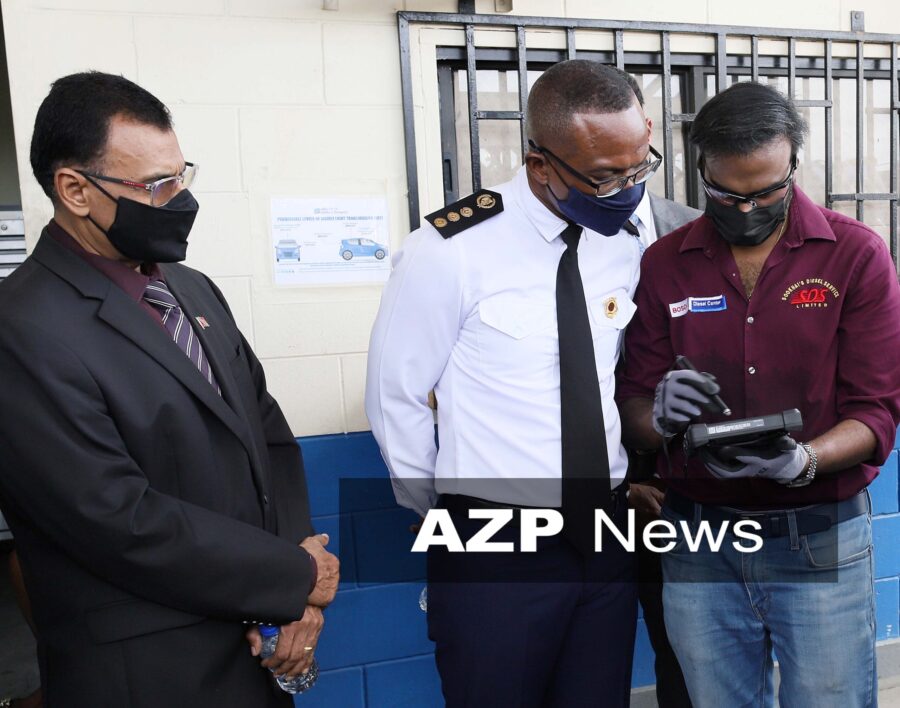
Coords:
517,336
609,314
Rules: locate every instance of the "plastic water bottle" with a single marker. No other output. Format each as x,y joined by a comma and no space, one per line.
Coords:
423,599
298,684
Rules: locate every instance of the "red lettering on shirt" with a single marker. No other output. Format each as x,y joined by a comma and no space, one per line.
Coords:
809,296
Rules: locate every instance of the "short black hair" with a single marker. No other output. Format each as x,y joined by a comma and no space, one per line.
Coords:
745,117
575,86
72,123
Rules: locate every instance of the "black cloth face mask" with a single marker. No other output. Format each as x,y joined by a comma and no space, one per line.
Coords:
747,228
148,234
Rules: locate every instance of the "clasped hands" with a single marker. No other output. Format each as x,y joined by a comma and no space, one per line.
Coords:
297,641
681,396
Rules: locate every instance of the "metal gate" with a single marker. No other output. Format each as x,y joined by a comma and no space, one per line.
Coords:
734,53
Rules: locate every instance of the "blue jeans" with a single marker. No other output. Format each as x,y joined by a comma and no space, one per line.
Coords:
810,598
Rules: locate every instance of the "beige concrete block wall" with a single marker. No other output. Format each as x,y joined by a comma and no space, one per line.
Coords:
284,98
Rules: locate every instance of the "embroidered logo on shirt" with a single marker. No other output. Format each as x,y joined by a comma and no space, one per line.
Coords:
810,293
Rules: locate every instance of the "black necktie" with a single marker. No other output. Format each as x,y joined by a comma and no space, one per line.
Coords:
585,462
631,228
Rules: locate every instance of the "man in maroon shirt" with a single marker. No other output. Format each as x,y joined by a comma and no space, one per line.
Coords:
788,305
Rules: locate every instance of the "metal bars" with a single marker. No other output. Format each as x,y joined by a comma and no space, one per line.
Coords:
792,67
471,79
620,49
523,85
668,150
895,246
721,63
829,127
409,121
860,127
754,58
696,67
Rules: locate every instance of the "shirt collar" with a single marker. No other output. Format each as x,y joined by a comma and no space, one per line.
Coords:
131,281
548,224
643,214
805,221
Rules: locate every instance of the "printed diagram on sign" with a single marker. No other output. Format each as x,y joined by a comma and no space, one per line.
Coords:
287,249
329,240
361,248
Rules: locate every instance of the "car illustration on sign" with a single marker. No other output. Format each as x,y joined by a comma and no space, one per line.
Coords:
357,247
287,249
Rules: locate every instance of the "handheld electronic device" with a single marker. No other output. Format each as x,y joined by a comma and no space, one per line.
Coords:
742,432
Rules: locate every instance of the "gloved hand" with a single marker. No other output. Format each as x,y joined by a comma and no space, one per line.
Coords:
781,459
680,395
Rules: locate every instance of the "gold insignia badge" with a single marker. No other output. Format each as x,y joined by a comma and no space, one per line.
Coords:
453,216
486,201
466,212
611,307
440,222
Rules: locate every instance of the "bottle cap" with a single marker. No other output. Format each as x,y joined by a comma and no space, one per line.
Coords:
268,630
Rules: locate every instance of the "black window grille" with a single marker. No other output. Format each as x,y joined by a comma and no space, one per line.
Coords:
844,82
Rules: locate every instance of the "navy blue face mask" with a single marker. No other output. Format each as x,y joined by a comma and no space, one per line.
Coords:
605,216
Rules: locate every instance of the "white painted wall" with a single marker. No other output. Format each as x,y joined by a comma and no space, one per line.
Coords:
280,97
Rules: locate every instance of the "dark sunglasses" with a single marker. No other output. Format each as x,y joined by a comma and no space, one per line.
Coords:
727,198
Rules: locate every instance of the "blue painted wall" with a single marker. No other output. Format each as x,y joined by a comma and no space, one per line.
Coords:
375,652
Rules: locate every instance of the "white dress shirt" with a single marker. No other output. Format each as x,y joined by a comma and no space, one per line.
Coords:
474,318
643,219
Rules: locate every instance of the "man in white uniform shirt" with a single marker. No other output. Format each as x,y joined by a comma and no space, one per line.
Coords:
511,305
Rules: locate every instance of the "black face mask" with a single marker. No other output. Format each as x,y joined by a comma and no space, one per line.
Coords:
747,228
148,234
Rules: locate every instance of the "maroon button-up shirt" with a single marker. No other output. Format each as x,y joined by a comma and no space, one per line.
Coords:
821,333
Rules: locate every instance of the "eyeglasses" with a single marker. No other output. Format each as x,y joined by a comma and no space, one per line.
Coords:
730,199
162,190
613,185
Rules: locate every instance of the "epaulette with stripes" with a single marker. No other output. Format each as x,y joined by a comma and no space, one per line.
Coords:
471,210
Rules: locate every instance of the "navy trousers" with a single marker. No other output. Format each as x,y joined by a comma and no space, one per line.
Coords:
545,629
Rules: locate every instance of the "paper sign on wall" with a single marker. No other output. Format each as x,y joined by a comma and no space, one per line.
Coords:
330,240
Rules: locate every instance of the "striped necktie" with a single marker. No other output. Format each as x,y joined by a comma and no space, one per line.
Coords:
179,327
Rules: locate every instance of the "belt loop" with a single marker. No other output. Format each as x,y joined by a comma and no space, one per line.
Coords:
792,527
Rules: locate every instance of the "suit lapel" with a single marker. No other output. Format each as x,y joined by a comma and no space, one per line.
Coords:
668,216
219,353
660,220
125,316
215,347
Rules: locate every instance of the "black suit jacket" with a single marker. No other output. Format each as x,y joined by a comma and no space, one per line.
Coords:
152,515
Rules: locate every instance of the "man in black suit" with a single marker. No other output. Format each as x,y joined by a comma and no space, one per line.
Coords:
154,487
